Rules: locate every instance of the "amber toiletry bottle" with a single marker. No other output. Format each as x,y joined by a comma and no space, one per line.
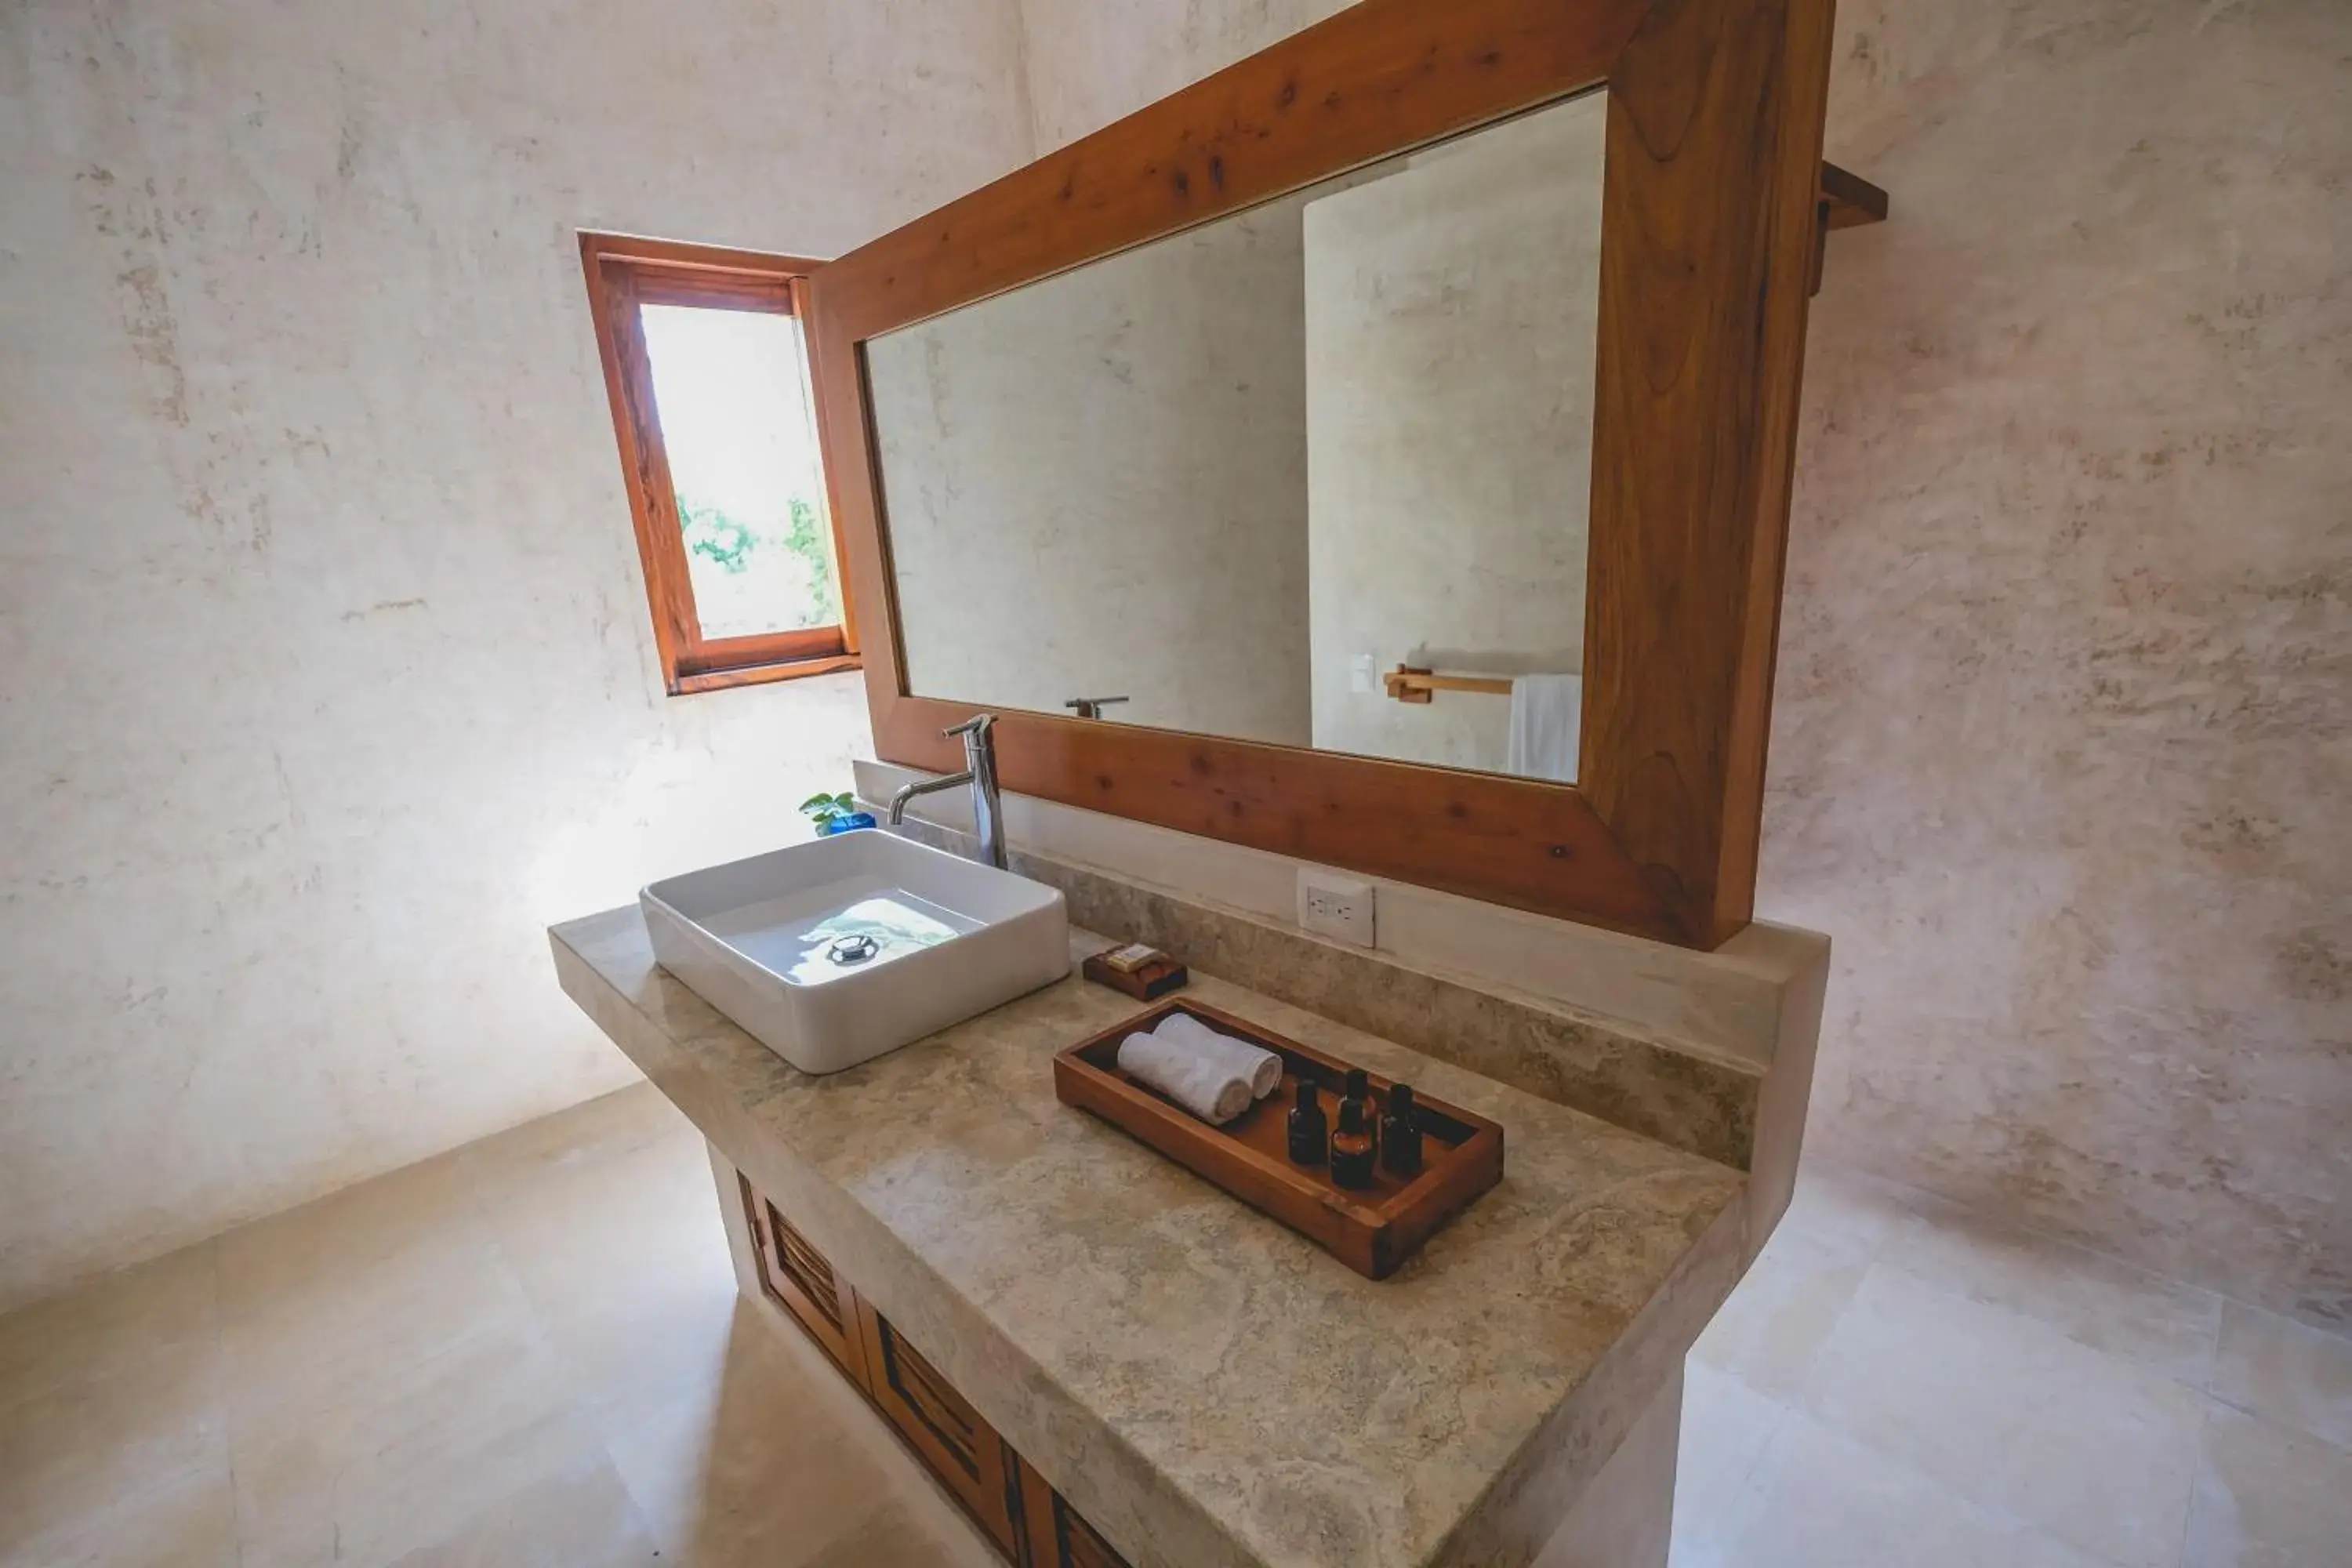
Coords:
1309,1133
1401,1133
1351,1146
1360,1090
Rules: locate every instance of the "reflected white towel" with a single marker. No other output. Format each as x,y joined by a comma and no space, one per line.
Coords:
1262,1067
1547,726
1207,1085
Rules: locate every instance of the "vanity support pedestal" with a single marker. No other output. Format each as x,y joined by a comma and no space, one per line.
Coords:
1626,1518
779,1270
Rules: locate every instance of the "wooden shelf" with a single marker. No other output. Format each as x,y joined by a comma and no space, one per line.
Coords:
1849,201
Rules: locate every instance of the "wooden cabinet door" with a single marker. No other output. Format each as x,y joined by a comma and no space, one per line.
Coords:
800,1279
962,1450
1059,1537
1017,1509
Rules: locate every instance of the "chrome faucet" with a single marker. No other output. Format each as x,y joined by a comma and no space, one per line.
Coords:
980,772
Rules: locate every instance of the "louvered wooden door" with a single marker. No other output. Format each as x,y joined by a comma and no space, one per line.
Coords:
1011,1503
1059,1537
798,1278
964,1451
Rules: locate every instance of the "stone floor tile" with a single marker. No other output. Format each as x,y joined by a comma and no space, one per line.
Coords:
113,1322
73,1456
1821,1500
1772,1331
1849,1213
364,1483
1725,1425
722,1480
2093,1300
2269,1496
2094,1450
186,1522
578,1518
896,1536
339,1303
2286,1373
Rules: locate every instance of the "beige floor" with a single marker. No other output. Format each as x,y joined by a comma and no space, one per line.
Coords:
1897,1382
530,1352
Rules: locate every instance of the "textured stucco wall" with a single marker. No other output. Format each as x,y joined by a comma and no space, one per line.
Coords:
325,669
1451,313
2063,750
1096,486
2063,737
1091,62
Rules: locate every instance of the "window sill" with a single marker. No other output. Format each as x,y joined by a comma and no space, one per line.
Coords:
763,674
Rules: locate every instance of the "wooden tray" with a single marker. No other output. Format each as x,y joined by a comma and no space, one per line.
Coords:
1372,1231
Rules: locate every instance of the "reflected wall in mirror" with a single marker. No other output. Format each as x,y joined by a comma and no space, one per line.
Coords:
1242,476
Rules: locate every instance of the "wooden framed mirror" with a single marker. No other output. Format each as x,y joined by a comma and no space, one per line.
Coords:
1343,455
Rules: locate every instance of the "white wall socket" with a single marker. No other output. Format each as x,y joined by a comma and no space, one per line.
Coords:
1340,908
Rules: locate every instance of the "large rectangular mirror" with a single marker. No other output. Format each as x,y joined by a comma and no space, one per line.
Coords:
1317,473
1400,420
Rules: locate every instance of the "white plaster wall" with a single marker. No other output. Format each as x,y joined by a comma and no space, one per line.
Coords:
2063,733
325,669
1096,486
1452,308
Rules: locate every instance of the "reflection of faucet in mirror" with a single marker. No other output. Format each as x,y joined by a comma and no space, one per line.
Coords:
1091,707
980,772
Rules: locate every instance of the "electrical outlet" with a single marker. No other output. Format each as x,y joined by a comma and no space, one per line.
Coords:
1337,907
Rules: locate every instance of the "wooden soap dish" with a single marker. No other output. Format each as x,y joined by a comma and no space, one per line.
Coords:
1372,1231
1154,979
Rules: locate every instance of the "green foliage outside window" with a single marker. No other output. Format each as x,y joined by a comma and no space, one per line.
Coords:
735,547
716,537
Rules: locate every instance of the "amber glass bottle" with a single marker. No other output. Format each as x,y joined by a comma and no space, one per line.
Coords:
1360,1090
1351,1146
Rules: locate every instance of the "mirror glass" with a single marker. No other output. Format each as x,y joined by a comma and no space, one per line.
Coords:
1317,473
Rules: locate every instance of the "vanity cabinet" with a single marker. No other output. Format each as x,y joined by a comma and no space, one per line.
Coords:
1030,1523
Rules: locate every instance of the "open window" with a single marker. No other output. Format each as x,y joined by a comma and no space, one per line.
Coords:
706,362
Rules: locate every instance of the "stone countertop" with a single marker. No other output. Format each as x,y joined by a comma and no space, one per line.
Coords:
1206,1387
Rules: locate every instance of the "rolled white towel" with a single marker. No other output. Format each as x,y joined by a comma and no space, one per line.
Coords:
1204,1084
1262,1067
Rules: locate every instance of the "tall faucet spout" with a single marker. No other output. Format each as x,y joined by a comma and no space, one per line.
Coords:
900,802
979,737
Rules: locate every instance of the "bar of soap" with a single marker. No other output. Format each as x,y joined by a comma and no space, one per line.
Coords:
1133,956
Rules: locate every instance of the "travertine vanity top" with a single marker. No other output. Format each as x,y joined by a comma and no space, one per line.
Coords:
1207,1387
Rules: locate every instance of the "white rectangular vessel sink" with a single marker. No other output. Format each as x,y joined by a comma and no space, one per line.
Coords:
834,953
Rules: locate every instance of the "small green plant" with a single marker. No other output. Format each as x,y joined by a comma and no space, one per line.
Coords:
825,810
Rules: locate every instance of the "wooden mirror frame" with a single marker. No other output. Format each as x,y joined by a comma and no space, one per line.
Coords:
1712,212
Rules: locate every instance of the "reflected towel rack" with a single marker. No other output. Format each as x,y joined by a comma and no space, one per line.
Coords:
1407,684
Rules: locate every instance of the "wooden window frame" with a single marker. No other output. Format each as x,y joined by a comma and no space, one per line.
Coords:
1712,218
624,271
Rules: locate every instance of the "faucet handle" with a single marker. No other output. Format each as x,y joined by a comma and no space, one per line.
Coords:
979,724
